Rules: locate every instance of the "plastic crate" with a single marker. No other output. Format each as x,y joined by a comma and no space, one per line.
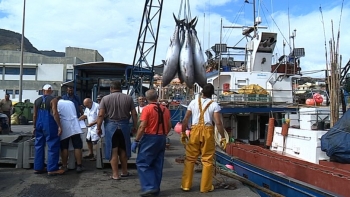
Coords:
100,155
225,98
237,97
11,153
252,97
263,98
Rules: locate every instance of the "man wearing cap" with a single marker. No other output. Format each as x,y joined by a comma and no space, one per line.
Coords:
47,130
204,112
115,110
99,98
91,113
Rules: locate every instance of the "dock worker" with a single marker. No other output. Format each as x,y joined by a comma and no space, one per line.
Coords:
6,108
75,99
201,142
151,140
99,98
71,131
141,104
91,114
115,110
47,130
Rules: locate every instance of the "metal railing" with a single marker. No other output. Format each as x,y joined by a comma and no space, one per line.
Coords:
255,97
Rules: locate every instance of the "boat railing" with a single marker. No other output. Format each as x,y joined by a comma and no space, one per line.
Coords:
254,97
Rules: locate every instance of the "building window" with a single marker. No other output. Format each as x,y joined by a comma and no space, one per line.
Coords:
12,71
29,71
1,70
16,71
69,75
9,91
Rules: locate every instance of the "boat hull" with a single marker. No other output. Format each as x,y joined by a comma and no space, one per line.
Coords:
276,181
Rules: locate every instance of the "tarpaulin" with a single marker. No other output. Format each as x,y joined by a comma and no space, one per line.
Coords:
252,89
336,141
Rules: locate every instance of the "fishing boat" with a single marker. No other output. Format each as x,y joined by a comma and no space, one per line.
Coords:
274,141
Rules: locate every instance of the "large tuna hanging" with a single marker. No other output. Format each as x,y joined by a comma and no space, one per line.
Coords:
185,56
171,62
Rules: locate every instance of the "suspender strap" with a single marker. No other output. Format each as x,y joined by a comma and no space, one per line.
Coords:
201,116
158,109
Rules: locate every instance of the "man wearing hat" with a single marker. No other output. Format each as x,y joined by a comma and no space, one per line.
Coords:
47,130
99,98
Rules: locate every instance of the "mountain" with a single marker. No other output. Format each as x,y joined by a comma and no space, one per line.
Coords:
11,41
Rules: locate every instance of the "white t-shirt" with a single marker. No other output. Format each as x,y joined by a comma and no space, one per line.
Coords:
66,109
139,109
68,116
208,114
92,115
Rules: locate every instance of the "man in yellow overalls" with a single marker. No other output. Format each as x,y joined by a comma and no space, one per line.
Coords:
201,140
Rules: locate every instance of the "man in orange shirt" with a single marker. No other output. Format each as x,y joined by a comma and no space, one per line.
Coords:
151,139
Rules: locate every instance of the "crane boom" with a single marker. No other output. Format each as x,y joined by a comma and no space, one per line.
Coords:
146,45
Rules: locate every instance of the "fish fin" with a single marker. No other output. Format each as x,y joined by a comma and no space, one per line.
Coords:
193,23
178,22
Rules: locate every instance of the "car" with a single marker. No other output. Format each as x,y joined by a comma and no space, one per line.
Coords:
4,124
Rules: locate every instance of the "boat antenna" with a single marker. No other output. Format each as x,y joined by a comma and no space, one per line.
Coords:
325,48
209,25
338,36
290,41
219,58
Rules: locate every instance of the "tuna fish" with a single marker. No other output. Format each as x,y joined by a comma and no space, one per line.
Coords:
171,63
198,59
186,60
182,40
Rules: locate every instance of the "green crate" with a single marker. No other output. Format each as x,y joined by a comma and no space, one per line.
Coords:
251,97
263,98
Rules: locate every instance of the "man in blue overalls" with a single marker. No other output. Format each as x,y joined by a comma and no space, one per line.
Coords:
47,129
151,139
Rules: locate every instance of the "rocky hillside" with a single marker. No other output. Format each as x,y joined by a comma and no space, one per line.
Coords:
11,41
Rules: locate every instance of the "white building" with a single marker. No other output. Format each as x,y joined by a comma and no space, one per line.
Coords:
39,70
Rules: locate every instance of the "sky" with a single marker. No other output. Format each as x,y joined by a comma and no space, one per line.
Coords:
112,26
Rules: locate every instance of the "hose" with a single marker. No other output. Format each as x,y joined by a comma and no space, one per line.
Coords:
227,173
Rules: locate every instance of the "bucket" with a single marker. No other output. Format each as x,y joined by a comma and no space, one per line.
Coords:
226,68
321,125
226,87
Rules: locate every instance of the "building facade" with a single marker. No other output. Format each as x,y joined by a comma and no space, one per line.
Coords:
39,70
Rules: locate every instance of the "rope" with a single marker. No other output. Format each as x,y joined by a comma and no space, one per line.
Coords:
217,136
180,10
245,181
